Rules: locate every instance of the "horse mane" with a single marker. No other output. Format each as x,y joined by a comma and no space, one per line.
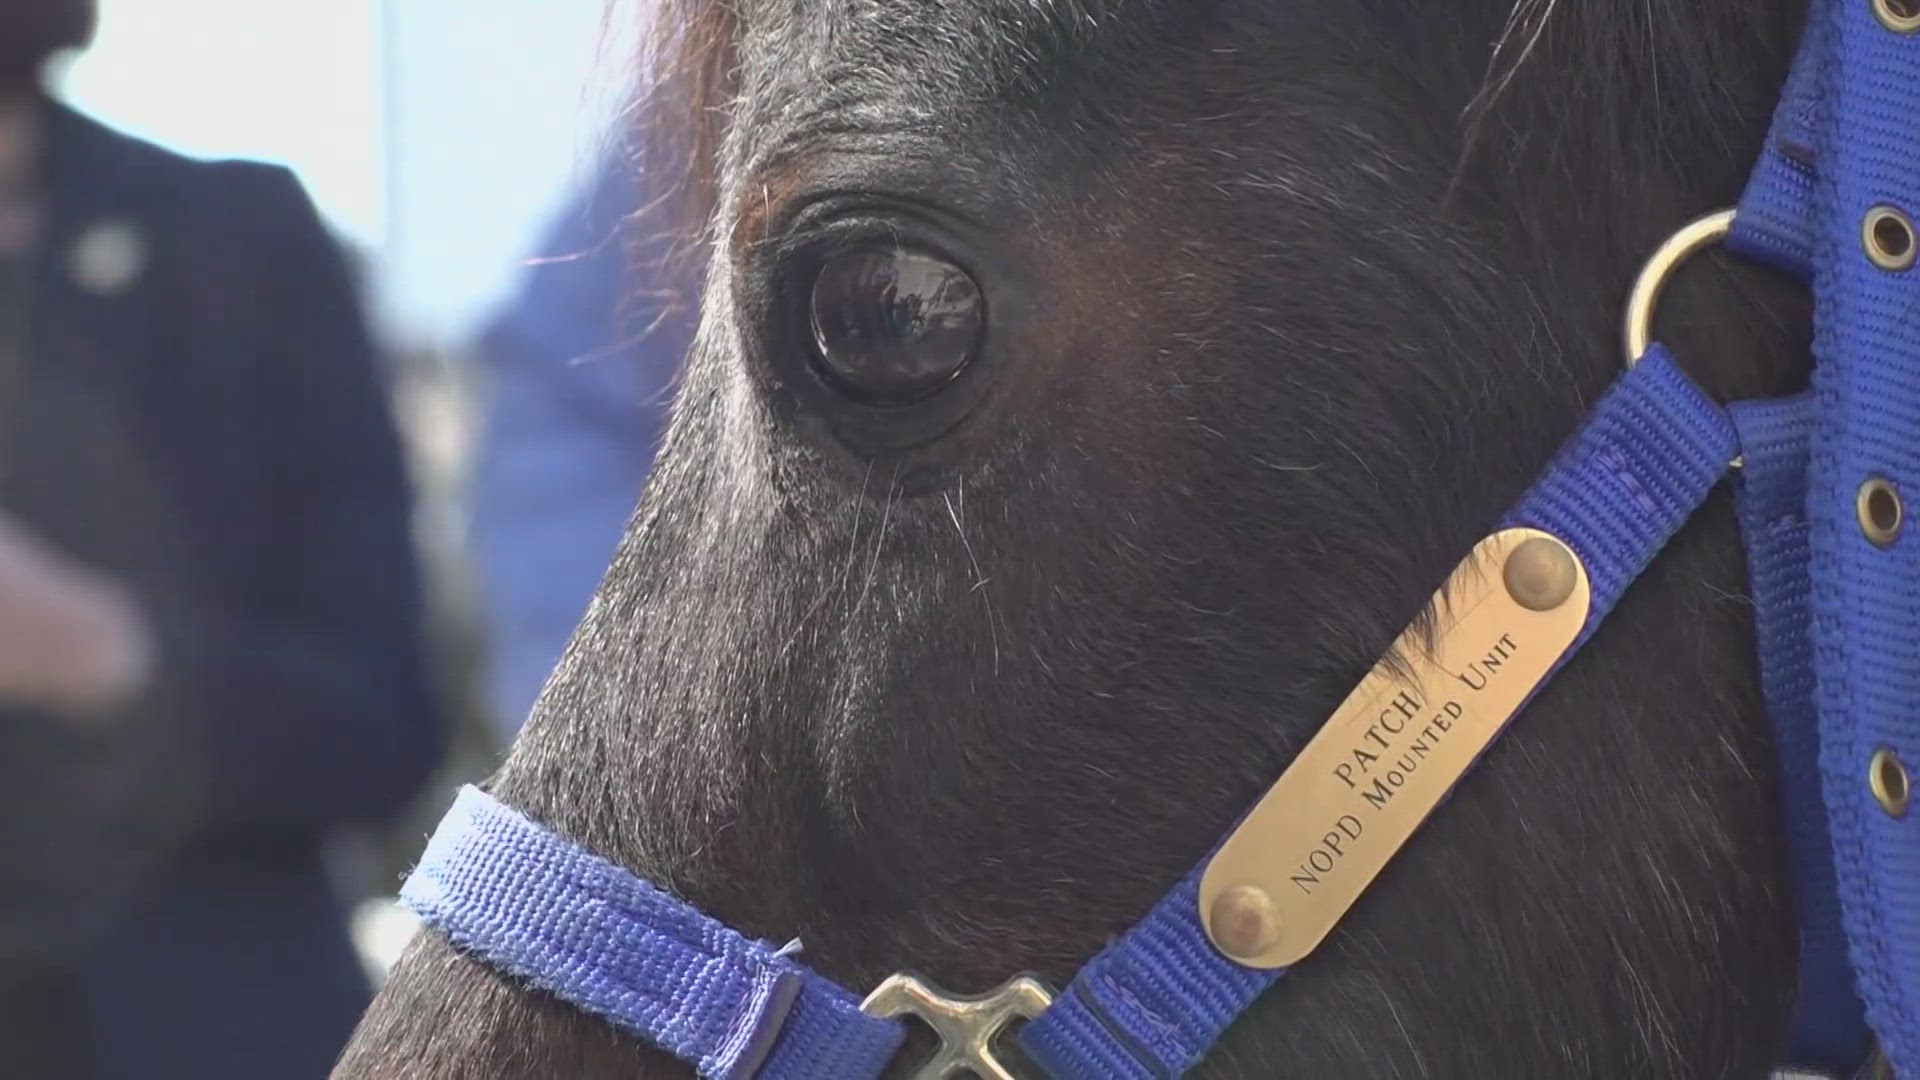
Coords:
689,75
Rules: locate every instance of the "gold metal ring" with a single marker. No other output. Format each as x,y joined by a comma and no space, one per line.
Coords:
1645,297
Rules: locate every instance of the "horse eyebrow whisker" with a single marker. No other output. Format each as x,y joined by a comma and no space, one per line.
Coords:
853,534
980,578
879,542
846,567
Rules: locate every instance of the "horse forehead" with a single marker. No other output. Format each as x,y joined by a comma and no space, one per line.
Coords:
875,84
963,47
1070,17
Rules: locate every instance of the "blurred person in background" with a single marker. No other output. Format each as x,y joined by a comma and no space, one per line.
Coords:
580,368
209,614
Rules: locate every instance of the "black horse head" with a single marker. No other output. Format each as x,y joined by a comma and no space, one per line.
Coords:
1087,391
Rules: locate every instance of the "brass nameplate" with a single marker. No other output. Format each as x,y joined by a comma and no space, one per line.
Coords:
1394,749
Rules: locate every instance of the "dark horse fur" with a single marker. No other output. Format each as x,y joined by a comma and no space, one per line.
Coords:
1289,300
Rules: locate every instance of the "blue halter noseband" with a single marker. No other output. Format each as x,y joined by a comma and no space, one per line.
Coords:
1836,590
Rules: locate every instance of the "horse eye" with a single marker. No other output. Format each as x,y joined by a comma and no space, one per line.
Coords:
892,326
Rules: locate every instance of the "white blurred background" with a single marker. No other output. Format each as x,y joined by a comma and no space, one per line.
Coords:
434,134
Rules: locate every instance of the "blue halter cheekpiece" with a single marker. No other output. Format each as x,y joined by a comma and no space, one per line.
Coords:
1836,588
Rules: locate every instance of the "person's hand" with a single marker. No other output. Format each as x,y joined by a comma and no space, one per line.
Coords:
88,810
71,638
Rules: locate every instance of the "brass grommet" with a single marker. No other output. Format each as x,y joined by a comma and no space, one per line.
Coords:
1899,16
1887,236
1877,507
1887,777
1244,922
1540,574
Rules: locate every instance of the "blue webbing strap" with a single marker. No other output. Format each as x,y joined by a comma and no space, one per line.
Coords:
1775,222
592,934
1848,140
1866,599
1830,1027
535,906
1151,1003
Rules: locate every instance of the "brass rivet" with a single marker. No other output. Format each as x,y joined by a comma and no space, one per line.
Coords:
1887,234
1899,16
1892,788
1244,922
1877,507
1540,574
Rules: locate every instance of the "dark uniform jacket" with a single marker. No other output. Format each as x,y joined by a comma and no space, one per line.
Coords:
190,403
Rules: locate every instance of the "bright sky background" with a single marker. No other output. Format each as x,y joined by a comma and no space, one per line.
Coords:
436,134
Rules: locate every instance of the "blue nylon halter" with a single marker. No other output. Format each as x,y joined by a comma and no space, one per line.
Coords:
534,905
1838,623
1846,647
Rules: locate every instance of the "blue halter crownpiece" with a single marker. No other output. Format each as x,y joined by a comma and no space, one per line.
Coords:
1829,1028
1845,141
1838,621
